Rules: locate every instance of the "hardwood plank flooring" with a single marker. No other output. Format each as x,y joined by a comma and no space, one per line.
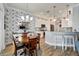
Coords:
46,50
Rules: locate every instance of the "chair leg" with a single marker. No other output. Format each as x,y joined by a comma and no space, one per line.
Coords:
55,47
62,46
15,53
38,45
74,48
65,47
25,51
36,52
29,52
73,45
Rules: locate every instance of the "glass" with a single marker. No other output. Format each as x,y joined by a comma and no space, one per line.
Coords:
22,17
31,18
27,17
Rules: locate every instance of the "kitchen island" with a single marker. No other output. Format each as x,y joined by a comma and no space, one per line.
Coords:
63,39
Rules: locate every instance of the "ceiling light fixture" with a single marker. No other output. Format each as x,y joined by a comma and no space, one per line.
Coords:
67,16
27,17
31,18
22,17
54,18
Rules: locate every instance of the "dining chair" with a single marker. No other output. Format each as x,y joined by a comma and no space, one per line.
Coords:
32,46
18,45
38,40
25,38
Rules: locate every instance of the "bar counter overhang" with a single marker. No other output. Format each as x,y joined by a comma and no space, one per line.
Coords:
61,38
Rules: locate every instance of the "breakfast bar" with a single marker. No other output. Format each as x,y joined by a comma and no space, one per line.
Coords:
63,39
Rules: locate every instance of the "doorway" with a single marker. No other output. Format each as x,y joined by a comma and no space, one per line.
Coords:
51,27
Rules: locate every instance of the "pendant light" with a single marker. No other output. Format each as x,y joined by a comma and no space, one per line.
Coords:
54,17
31,18
22,17
27,17
67,16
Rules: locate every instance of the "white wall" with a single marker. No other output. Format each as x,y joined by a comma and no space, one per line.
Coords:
47,22
64,23
40,21
67,23
2,40
75,21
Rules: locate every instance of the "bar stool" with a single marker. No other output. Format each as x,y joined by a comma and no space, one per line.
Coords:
60,40
69,41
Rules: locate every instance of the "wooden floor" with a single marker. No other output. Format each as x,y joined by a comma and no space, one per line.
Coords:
46,50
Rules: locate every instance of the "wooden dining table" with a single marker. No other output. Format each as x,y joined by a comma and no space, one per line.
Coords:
25,38
29,40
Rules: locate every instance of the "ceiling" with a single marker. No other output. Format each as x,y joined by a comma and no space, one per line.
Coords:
44,10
